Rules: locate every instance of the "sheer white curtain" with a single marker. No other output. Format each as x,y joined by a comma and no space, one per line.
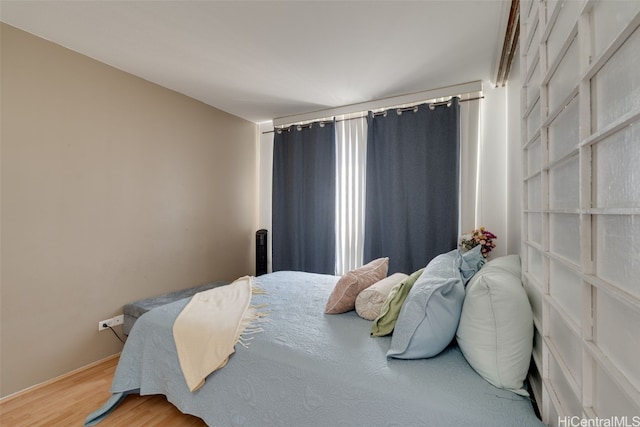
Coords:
469,165
351,155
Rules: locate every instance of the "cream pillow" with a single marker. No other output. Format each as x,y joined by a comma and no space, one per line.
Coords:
370,301
344,294
495,332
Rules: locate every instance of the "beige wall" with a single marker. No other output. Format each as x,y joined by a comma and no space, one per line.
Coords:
113,189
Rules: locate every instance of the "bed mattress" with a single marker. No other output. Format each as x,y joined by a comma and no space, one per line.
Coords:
308,368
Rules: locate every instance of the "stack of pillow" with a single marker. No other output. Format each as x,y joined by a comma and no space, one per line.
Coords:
491,318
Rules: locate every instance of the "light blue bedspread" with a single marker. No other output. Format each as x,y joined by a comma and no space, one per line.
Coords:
312,369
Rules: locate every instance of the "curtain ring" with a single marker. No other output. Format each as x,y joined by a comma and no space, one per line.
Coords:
299,127
399,111
321,124
449,103
432,106
415,109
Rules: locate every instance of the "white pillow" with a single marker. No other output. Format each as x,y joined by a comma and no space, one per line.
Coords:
370,301
510,263
495,332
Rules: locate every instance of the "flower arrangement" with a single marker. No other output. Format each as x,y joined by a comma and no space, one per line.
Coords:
479,236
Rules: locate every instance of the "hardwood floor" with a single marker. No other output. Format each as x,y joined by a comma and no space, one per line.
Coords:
67,402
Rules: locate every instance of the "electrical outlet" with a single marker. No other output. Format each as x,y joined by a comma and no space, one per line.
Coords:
114,321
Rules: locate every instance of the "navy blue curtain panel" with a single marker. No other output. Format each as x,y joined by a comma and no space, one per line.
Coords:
412,185
304,193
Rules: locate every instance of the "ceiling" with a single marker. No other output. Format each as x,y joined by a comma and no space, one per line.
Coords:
265,59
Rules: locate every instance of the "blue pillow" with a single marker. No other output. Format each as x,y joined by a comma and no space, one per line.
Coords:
472,261
429,316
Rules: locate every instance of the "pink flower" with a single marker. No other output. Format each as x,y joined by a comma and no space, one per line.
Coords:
477,237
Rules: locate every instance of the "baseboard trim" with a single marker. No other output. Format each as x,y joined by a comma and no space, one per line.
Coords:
21,393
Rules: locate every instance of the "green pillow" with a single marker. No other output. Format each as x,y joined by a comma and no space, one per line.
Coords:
384,324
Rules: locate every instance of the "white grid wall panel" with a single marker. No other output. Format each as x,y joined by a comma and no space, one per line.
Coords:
581,204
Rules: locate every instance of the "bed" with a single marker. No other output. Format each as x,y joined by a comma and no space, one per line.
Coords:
308,368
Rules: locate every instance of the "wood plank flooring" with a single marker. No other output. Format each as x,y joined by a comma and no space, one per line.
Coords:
68,400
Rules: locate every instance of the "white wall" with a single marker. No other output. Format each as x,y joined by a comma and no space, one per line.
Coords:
514,160
492,171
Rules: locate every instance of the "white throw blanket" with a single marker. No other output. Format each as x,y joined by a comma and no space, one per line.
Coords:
210,325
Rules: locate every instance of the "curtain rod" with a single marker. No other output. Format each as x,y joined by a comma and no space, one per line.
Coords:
468,89
364,113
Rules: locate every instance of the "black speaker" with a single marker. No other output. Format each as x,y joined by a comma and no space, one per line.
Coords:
261,252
